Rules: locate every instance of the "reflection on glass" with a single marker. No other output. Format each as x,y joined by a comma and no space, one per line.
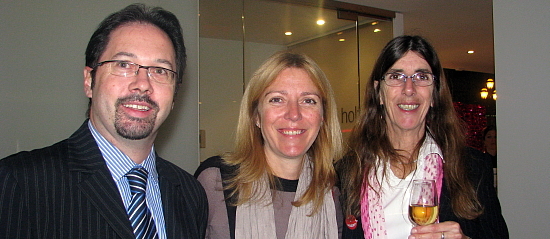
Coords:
237,36
346,66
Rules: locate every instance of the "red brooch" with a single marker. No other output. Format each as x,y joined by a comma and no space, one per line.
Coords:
351,222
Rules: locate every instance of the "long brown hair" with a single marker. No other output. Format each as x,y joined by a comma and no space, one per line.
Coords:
248,154
369,139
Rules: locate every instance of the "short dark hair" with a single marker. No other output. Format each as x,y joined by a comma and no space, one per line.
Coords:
487,129
139,13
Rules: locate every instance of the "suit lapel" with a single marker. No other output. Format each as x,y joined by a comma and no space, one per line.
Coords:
95,181
168,191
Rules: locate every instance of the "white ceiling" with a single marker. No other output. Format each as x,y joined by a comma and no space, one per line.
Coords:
452,26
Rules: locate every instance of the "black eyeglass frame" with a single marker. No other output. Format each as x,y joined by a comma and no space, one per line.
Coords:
137,71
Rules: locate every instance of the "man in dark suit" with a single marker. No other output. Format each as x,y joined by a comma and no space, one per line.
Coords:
84,186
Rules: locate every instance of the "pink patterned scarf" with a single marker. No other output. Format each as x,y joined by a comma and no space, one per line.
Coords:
372,213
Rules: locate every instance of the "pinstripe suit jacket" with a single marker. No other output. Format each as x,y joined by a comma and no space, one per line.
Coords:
66,191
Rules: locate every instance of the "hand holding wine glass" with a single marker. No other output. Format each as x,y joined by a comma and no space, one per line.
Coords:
423,206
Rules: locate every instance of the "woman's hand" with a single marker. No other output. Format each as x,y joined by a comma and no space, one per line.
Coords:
444,230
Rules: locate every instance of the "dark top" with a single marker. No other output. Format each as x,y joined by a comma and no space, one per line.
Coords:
67,191
488,225
492,160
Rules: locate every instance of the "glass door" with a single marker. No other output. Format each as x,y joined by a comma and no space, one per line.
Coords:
237,36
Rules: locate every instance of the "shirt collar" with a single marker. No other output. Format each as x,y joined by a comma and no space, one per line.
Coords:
429,146
119,163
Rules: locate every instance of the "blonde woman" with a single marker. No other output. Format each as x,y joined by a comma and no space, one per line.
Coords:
279,180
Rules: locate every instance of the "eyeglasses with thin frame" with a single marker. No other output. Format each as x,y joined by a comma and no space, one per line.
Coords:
418,78
129,69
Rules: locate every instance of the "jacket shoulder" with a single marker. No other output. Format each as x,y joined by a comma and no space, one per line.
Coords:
25,159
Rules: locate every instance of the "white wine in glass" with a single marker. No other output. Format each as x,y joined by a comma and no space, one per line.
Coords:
423,206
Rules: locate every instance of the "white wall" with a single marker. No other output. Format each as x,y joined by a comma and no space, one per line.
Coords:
42,46
522,70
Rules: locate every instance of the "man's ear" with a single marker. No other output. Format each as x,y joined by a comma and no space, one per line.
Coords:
88,81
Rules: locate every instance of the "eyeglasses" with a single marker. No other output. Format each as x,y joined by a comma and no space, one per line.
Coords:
399,79
130,69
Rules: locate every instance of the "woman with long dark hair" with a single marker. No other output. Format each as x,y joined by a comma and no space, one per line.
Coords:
409,130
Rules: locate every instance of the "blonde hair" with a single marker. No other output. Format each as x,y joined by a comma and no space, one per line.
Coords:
248,154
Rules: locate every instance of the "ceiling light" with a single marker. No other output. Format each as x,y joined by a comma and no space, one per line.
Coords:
374,23
320,22
288,33
470,52
341,39
377,30
339,33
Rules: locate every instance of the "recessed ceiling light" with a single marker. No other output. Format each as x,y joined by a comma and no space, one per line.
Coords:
288,33
339,33
341,39
470,52
377,30
374,23
320,22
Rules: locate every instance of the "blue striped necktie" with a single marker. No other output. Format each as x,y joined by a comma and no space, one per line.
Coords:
139,214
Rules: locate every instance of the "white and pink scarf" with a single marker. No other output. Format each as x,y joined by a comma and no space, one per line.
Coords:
430,160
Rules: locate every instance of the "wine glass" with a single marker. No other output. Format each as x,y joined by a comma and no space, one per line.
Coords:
423,206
